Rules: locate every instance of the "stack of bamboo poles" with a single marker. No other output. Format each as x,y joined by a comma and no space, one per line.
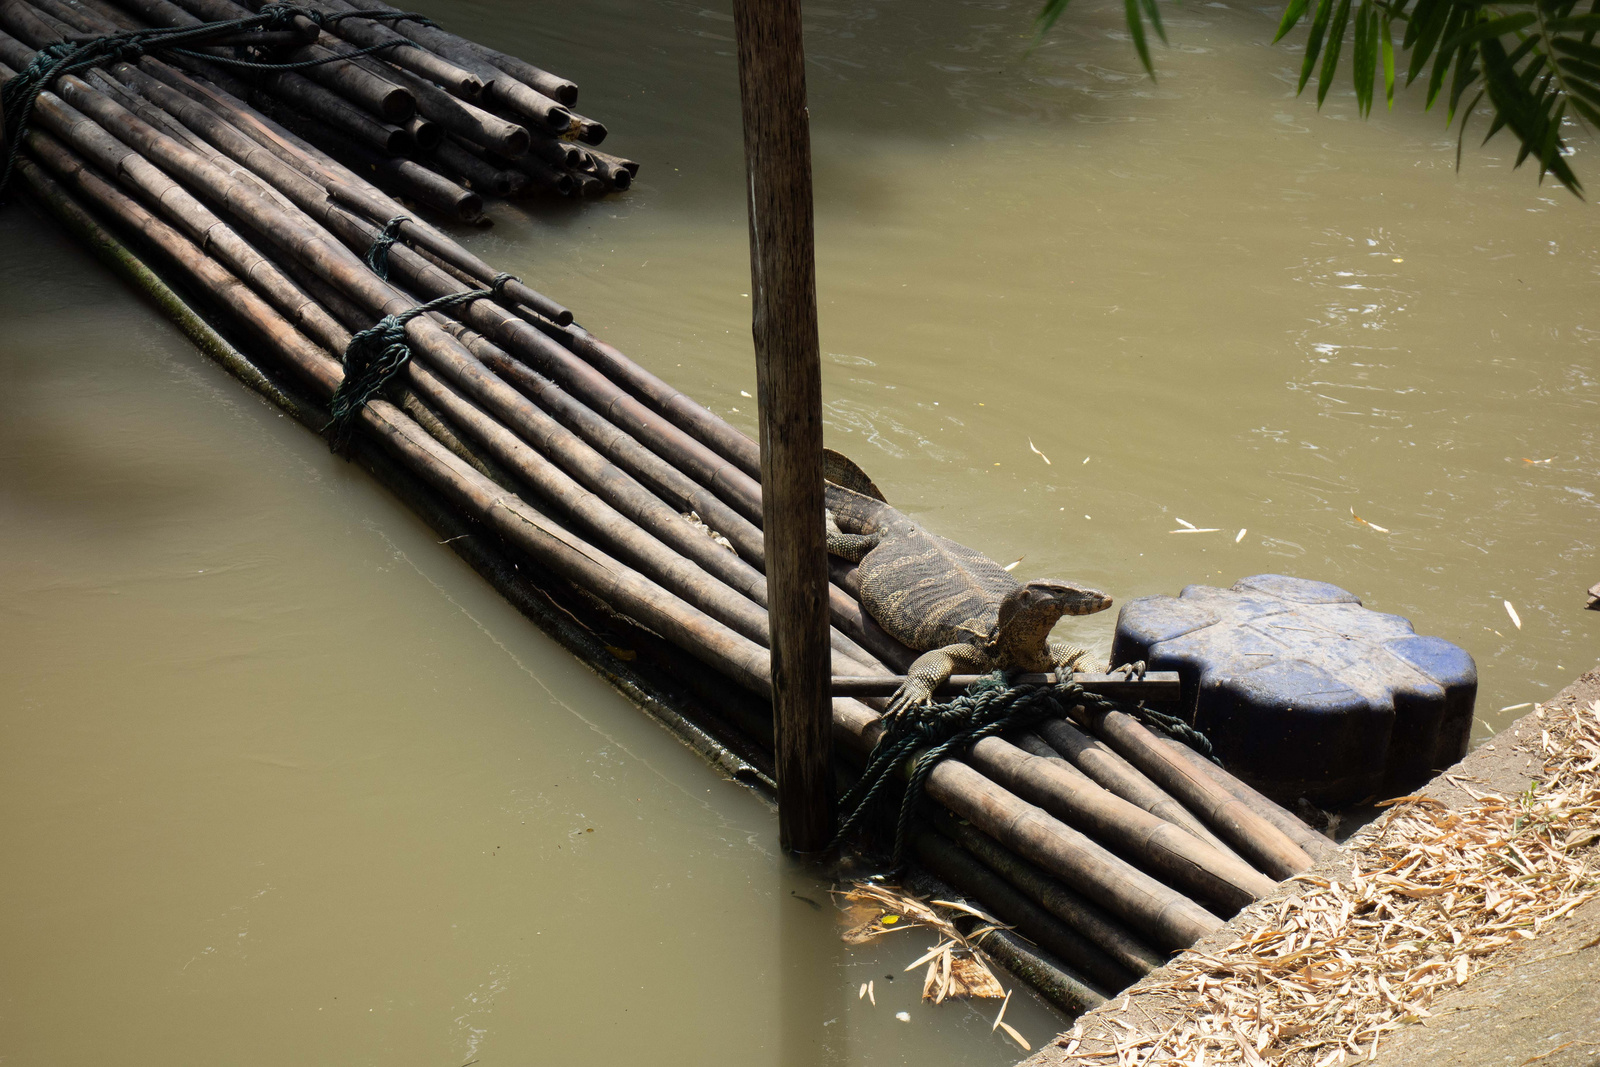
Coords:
1106,847
430,116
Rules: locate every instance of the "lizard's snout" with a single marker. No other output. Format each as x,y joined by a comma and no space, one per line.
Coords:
1070,598
1087,604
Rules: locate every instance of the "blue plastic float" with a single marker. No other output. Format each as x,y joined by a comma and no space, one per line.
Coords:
1304,692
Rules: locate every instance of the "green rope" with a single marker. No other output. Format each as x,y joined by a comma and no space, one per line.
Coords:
19,93
378,254
935,732
377,354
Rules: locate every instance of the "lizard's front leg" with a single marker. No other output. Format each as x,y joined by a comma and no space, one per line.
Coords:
931,670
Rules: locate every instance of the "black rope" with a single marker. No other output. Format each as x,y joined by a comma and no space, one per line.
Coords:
20,92
989,707
378,254
1175,728
376,355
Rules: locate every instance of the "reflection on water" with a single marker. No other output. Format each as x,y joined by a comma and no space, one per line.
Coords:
282,781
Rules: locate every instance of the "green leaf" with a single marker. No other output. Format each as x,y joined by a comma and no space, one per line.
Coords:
1500,27
1442,58
1578,49
1136,28
1388,61
1330,60
1587,110
1526,115
1466,73
1576,24
1155,19
1364,58
1440,18
1319,27
1291,18
1048,15
1427,12
1575,72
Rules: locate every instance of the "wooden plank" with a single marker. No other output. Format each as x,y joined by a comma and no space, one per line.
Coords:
777,151
1156,686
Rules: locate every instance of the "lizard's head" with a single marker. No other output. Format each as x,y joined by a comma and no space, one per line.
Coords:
1036,606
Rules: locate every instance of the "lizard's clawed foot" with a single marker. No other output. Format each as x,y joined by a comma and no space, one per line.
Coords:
911,694
1131,671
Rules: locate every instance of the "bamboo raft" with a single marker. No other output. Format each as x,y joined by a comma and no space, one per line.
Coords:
584,487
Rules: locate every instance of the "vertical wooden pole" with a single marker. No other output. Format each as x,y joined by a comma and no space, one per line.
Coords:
777,151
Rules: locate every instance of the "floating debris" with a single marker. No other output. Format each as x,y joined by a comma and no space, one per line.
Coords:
1003,1005
1013,564
955,967
1181,522
1518,707
1011,1032
1236,540
1364,522
1036,452
1515,620
903,1016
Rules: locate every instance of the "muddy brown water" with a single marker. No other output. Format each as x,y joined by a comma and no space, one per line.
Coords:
283,781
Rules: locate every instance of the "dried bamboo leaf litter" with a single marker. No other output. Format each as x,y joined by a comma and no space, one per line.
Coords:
1320,978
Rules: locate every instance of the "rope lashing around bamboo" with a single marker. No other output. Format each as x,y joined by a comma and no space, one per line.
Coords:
378,353
989,707
1175,728
18,94
377,256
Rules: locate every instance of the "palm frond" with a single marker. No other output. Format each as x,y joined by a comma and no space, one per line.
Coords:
1535,62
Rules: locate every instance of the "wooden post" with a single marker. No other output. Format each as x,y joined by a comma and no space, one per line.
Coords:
777,150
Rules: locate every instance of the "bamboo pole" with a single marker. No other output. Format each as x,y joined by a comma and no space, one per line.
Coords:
1148,842
1091,967
549,84
1316,845
1161,914
558,443
1072,991
348,188
1105,931
1099,762
1254,837
371,92
407,56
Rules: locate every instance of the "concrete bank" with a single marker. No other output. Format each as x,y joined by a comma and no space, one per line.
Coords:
1517,992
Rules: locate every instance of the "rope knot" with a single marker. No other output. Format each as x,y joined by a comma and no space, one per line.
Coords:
378,255
376,355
